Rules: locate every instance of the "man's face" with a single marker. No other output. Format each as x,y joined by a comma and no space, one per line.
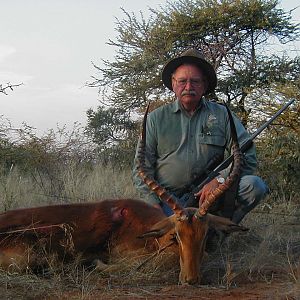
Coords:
189,85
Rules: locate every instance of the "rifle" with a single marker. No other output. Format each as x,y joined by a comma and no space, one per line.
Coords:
244,147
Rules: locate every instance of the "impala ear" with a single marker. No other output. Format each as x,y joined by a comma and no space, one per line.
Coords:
159,229
224,224
118,214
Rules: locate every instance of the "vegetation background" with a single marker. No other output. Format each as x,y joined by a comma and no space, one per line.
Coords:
240,38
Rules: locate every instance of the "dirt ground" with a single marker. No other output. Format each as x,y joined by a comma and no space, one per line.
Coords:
247,291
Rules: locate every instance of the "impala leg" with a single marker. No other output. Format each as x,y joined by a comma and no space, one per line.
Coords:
16,258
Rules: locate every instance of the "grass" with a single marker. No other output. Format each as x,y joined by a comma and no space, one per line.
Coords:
75,185
269,252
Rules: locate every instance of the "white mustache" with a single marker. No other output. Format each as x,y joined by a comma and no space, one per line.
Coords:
192,93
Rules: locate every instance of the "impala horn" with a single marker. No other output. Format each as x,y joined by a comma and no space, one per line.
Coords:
153,185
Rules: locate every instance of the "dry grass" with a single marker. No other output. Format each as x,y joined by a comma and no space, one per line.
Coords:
76,185
59,280
269,252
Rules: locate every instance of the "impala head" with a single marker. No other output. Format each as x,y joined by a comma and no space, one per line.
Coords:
190,225
190,234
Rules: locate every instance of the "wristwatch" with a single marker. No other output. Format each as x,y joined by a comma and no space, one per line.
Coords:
220,179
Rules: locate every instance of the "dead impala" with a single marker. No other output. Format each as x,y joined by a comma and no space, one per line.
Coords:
106,228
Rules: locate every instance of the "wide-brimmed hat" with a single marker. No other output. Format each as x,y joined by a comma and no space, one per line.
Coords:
190,56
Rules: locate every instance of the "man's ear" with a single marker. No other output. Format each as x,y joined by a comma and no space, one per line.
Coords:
172,81
160,228
224,224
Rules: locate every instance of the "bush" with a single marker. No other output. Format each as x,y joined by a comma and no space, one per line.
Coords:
280,164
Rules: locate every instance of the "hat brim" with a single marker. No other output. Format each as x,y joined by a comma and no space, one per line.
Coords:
206,67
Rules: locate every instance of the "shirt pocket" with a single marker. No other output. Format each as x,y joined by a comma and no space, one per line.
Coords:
210,146
214,140
213,136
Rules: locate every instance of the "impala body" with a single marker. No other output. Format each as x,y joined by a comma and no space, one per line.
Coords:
102,230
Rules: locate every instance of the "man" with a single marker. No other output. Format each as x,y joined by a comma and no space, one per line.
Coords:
184,136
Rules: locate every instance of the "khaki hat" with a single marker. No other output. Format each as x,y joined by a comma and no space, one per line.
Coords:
190,56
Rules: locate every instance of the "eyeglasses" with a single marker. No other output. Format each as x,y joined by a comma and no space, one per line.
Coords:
195,82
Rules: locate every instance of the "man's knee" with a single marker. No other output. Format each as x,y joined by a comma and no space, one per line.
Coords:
252,188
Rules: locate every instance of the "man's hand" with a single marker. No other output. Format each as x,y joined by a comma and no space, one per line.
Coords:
206,190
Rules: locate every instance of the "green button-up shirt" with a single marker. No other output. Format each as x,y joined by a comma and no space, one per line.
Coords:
179,146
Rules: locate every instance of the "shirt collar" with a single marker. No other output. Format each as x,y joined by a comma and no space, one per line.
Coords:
177,107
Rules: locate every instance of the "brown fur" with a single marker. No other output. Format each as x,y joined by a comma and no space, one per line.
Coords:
84,229
101,230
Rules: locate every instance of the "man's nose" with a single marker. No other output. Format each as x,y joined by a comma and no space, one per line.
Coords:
188,86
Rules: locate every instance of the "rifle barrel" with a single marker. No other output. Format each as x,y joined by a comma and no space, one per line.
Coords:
266,124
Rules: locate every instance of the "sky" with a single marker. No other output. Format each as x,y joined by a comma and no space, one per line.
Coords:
49,47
